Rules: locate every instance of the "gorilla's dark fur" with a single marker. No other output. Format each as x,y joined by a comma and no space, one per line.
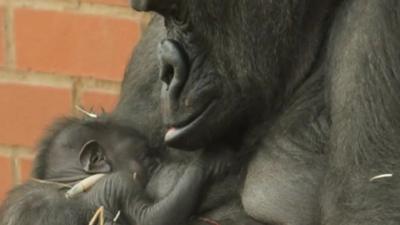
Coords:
307,87
142,75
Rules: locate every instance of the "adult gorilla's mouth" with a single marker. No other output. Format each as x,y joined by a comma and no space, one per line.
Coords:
185,134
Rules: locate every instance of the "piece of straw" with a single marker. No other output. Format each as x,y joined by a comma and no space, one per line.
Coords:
98,216
387,175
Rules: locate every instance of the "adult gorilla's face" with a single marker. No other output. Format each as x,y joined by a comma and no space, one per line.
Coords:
222,64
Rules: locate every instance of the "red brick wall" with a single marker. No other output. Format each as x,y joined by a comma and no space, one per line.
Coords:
55,54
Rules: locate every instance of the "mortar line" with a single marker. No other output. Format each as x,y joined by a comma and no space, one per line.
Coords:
122,12
9,35
57,80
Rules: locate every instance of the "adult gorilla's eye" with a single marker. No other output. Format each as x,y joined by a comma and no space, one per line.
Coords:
164,7
174,11
178,20
180,14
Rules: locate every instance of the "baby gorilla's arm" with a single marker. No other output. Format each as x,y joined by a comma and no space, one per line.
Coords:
120,191
177,206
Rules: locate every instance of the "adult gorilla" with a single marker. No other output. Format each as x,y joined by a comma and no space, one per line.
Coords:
139,106
230,65
293,145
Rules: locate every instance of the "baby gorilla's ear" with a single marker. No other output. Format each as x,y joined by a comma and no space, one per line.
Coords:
93,158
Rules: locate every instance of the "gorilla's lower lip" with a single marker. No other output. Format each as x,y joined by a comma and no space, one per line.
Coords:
175,133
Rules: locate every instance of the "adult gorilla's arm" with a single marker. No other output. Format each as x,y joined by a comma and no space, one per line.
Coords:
364,66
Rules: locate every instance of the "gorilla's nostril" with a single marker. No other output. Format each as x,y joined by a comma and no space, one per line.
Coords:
168,75
174,66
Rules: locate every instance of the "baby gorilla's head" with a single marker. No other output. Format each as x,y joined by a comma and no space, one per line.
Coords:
76,148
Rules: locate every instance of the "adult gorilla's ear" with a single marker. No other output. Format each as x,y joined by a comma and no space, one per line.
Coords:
93,159
160,6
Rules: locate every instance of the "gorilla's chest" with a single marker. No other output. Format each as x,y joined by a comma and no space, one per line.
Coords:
284,177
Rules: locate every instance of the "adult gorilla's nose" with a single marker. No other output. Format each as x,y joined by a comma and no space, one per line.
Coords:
174,67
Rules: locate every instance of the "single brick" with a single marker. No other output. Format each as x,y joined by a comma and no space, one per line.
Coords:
110,2
76,44
99,100
25,168
6,176
27,110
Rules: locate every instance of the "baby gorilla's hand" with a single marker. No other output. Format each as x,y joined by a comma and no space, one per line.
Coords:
218,161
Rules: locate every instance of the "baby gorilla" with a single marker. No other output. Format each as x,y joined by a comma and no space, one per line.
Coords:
76,149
